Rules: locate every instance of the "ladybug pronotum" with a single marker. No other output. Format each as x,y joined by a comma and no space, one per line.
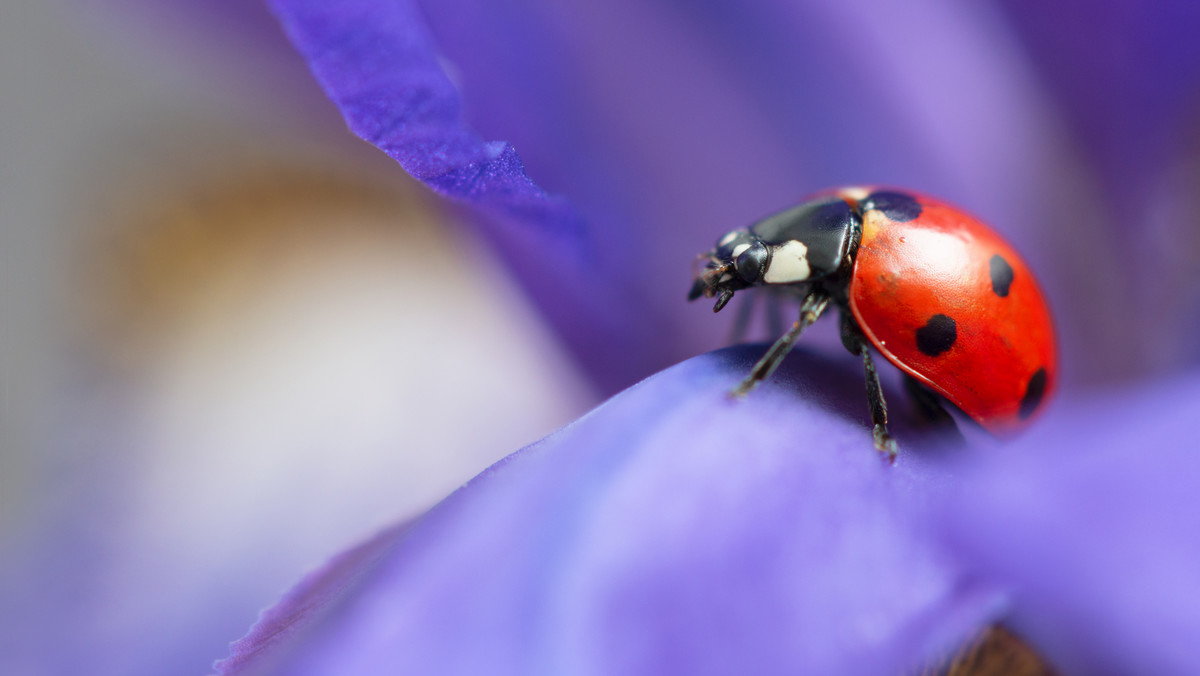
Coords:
937,293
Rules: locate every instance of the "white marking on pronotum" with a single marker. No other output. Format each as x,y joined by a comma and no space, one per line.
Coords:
789,263
729,237
855,193
739,250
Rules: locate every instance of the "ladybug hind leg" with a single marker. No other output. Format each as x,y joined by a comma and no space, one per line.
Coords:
856,343
810,310
930,408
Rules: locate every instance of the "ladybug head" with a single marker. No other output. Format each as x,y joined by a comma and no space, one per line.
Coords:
738,261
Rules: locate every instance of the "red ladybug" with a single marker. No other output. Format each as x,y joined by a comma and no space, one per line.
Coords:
932,289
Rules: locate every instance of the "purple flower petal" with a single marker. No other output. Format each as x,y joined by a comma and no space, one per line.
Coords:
304,603
377,63
672,530
1096,527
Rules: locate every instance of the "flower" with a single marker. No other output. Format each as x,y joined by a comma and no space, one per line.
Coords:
644,129
671,530
674,531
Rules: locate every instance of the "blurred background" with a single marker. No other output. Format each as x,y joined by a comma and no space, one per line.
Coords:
234,339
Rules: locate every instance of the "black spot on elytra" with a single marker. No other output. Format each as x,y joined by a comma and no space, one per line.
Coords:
937,336
897,206
1035,389
1002,275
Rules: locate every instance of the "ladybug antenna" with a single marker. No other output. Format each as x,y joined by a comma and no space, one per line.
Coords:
723,300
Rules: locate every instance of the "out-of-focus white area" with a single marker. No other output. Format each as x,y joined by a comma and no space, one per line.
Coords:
233,341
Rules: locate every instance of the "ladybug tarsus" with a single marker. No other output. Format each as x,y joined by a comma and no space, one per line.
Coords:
885,443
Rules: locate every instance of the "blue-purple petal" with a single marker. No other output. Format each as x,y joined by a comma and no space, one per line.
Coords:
1092,520
377,62
303,605
672,530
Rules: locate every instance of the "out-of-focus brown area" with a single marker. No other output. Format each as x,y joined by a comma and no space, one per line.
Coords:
995,652
215,239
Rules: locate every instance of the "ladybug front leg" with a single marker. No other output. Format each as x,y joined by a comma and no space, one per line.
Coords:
853,339
810,310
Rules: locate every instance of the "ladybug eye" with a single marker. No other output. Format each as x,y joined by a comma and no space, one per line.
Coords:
751,262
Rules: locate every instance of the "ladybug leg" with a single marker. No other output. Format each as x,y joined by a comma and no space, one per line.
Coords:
774,315
929,406
810,309
856,343
741,320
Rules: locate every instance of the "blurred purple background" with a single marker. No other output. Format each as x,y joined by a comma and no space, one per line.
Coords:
667,123
194,413
235,338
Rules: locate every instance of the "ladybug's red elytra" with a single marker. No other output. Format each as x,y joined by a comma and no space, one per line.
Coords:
936,292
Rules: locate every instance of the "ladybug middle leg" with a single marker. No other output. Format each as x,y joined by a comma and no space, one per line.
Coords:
856,343
772,305
741,320
810,310
774,315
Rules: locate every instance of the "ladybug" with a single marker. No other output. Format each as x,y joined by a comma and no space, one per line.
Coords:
933,290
